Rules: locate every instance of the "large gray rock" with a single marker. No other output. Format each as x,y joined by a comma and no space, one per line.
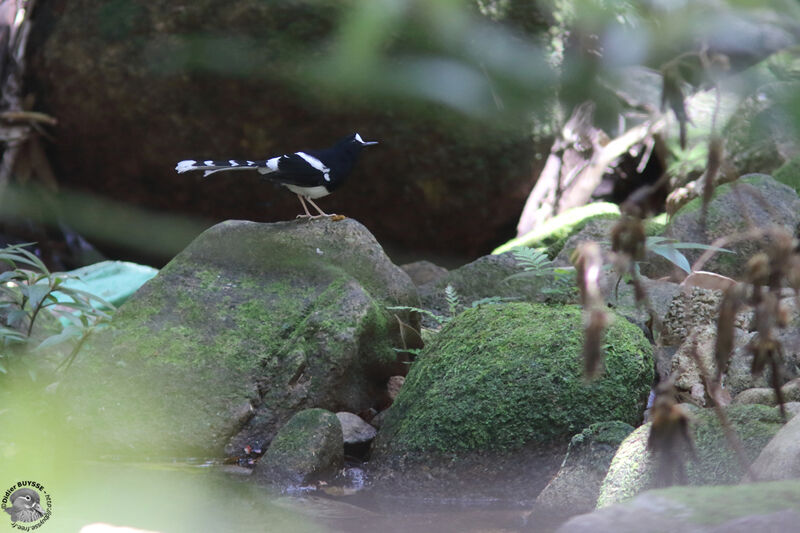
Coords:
780,458
729,509
249,324
307,448
633,468
354,429
754,200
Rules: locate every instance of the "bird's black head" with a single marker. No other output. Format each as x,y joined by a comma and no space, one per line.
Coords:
354,143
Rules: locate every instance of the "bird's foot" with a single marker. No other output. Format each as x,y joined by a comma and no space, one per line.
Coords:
334,217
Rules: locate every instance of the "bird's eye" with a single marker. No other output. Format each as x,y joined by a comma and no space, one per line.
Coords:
27,497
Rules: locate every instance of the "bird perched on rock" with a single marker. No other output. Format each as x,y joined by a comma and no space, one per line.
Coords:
309,174
24,506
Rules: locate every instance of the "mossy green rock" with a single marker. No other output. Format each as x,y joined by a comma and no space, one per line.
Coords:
754,200
789,173
249,324
633,467
748,508
309,446
500,378
760,136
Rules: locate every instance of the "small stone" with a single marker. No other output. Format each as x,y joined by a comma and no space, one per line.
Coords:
307,448
422,272
393,386
354,429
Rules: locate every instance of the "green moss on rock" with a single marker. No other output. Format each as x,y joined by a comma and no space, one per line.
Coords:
554,233
712,505
247,325
633,466
789,173
308,446
501,376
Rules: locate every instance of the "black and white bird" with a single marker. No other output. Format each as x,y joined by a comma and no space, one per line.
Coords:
310,174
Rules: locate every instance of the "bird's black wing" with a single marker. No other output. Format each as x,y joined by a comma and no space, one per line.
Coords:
296,170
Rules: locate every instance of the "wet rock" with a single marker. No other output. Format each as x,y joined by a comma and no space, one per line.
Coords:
596,230
248,325
619,295
688,378
307,448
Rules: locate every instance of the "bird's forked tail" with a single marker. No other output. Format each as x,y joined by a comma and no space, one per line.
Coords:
212,166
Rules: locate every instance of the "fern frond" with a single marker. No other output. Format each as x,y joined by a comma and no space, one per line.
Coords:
453,300
532,260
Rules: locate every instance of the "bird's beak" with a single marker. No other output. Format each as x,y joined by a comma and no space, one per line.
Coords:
38,508
368,143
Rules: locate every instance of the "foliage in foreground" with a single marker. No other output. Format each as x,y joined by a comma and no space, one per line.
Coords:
39,310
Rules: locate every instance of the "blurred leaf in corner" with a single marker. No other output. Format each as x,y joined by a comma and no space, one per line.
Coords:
153,234
437,52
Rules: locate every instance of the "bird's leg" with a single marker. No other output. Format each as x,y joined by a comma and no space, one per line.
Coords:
305,208
321,212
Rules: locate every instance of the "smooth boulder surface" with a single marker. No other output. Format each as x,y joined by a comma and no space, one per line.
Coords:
248,325
780,458
633,468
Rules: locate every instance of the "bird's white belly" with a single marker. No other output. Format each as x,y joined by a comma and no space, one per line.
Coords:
309,192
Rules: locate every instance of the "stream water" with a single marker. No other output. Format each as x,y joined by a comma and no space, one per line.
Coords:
180,497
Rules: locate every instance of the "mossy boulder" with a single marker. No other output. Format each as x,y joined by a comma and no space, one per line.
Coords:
633,467
771,506
755,200
789,173
307,448
760,137
508,378
249,324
